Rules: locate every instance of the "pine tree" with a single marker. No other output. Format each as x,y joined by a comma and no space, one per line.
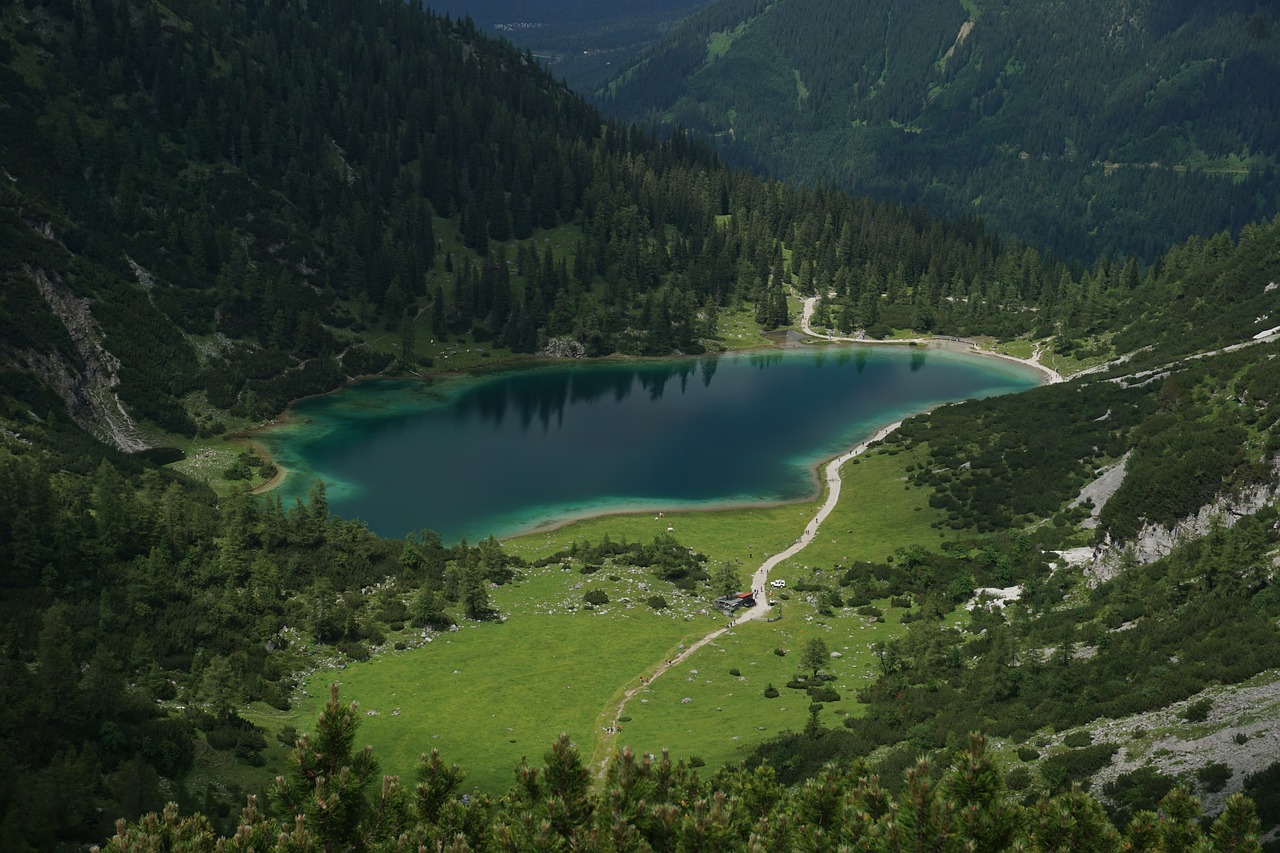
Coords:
329,785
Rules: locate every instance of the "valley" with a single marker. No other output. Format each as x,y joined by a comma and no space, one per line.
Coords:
1040,620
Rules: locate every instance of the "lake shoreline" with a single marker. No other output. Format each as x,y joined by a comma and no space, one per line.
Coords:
288,418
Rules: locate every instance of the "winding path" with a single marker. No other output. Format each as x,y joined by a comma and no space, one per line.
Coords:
760,579
759,583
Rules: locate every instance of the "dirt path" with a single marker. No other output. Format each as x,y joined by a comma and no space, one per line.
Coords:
759,583
608,719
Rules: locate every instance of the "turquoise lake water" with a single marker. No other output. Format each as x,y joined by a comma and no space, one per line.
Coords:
504,452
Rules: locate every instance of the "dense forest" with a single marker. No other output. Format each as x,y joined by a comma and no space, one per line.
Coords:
1139,123
269,218
211,209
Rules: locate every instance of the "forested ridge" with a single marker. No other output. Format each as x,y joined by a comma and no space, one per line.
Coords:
281,201
208,210
1095,128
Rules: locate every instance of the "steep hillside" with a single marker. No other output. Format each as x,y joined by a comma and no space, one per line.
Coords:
211,211
1087,128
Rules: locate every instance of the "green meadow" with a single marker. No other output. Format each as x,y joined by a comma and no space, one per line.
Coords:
489,694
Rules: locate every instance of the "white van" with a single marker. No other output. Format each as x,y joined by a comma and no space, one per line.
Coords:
779,583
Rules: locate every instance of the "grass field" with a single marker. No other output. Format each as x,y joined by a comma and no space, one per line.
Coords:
489,694
727,715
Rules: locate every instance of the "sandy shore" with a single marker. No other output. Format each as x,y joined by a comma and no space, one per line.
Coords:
958,344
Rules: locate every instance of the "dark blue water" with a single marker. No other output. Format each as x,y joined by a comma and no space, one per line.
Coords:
506,452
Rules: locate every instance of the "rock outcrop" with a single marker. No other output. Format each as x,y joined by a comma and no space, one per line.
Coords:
564,348
1156,540
86,383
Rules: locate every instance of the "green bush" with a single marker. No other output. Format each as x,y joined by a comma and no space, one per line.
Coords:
222,739
1076,740
596,597
771,692
354,650
1198,711
1059,771
780,652
1026,753
735,672
1214,776
823,694
1018,779
394,610
657,602
1139,790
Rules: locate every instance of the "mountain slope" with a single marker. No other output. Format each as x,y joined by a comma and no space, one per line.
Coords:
1089,128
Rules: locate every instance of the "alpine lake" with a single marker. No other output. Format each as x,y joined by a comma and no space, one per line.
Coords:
509,451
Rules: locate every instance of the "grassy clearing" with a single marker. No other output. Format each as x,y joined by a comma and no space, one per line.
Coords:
489,694
727,715
718,44
878,513
738,329
747,535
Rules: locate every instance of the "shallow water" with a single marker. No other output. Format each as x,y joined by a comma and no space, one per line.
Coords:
505,452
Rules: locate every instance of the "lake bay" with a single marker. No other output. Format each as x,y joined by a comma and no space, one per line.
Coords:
505,452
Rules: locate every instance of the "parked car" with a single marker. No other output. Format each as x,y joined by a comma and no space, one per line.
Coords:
779,583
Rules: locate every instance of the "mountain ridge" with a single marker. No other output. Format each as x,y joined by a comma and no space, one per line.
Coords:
1033,102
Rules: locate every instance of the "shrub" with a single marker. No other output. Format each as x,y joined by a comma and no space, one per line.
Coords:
287,736
1076,740
1026,753
823,694
1214,776
222,739
780,652
596,597
870,610
903,601
657,602
1198,711
1018,779
1059,771
697,761
394,610
1241,738
354,650
1139,790
735,672
771,692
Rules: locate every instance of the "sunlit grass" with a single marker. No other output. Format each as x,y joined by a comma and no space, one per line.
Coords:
491,693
